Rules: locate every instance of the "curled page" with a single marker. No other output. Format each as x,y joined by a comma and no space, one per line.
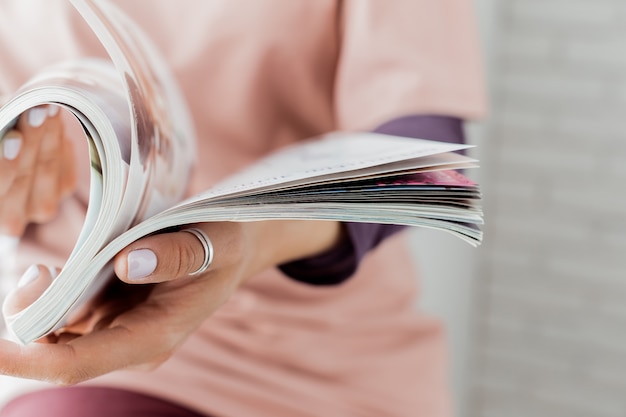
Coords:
141,143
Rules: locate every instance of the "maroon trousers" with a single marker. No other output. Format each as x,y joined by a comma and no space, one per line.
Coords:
92,402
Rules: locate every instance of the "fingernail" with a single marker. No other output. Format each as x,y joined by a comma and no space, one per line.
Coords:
54,271
31,274
53,110
11,146
141,263
37,115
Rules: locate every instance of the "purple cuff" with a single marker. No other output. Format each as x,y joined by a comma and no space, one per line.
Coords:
339,263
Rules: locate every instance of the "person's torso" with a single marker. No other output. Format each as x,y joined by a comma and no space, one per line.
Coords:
258,75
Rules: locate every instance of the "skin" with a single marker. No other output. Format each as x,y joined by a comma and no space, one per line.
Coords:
41,174
139,323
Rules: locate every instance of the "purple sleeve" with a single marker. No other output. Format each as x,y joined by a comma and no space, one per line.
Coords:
339,263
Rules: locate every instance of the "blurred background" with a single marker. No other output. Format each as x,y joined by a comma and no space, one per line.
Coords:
538,328
537,314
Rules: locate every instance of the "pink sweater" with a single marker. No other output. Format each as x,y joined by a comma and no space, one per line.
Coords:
257,75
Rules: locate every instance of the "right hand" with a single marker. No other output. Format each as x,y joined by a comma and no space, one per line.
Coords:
37,170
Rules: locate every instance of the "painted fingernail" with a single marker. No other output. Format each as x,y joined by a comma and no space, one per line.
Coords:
53,110
141,263
11,146
31,274
36,116
54,271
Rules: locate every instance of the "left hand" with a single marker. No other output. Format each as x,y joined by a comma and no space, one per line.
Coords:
36,169
143,325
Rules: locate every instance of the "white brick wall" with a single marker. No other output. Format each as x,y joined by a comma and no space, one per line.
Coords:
550,319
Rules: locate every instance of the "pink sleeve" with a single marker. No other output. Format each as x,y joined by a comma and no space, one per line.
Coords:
406,57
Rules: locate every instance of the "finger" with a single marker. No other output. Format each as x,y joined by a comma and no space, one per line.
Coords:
45,193
9,160
13,215
67,363
68,180
67,175
159,258
31,285
85,357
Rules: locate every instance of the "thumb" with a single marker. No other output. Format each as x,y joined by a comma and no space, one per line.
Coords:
163,257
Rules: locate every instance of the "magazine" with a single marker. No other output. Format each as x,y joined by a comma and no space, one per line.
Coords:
141,144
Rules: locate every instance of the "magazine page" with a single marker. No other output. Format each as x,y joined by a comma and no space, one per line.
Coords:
85,89
88,89
333,156
156,164
163,139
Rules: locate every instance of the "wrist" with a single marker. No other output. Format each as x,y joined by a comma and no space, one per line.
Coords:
276,242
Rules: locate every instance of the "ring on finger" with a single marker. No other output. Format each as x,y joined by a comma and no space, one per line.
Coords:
207,246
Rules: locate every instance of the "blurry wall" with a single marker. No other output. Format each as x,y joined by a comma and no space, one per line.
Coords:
548,334
447,266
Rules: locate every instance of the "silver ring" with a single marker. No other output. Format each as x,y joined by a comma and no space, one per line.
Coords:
206,245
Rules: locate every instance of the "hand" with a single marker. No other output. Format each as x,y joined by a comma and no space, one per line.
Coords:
142,325
36,170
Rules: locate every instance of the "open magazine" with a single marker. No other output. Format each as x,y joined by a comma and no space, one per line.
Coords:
141,145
